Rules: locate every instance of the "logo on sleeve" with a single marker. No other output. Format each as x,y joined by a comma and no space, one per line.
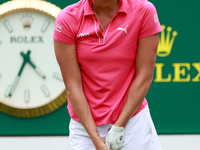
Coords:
155,16
58,27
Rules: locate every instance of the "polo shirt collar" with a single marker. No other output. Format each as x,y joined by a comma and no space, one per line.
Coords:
88,7
123,6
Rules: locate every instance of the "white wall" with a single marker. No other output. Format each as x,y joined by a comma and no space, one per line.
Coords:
168,142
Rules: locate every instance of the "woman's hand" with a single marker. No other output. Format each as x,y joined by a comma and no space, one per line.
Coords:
115,138
102,147
99,144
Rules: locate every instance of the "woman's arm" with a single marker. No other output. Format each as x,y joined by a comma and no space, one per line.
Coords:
67,60
145,64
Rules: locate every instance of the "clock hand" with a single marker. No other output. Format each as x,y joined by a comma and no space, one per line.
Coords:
36,68
18,77
26,58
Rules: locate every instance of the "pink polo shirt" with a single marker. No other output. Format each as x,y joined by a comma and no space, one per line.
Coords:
106,59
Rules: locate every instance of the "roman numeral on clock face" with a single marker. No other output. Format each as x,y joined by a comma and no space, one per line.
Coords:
27,95
8,26
57,76
45,90
45,25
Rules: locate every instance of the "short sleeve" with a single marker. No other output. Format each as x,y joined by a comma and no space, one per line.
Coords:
150,23
64,29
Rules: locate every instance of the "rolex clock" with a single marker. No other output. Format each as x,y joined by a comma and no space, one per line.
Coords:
30,80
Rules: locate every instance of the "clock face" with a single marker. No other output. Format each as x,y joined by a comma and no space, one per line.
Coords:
29,74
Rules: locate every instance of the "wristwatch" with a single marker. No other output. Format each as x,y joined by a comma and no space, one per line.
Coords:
31,84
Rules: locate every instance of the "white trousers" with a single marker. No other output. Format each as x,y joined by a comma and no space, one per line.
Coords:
140,134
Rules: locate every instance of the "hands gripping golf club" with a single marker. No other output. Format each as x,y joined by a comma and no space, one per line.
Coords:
115,138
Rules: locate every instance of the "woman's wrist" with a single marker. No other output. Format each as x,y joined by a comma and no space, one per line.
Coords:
98,142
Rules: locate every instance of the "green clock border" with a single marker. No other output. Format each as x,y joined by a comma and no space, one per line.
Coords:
51,10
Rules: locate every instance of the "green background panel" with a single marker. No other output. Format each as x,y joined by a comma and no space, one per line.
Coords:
175,106
55,123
